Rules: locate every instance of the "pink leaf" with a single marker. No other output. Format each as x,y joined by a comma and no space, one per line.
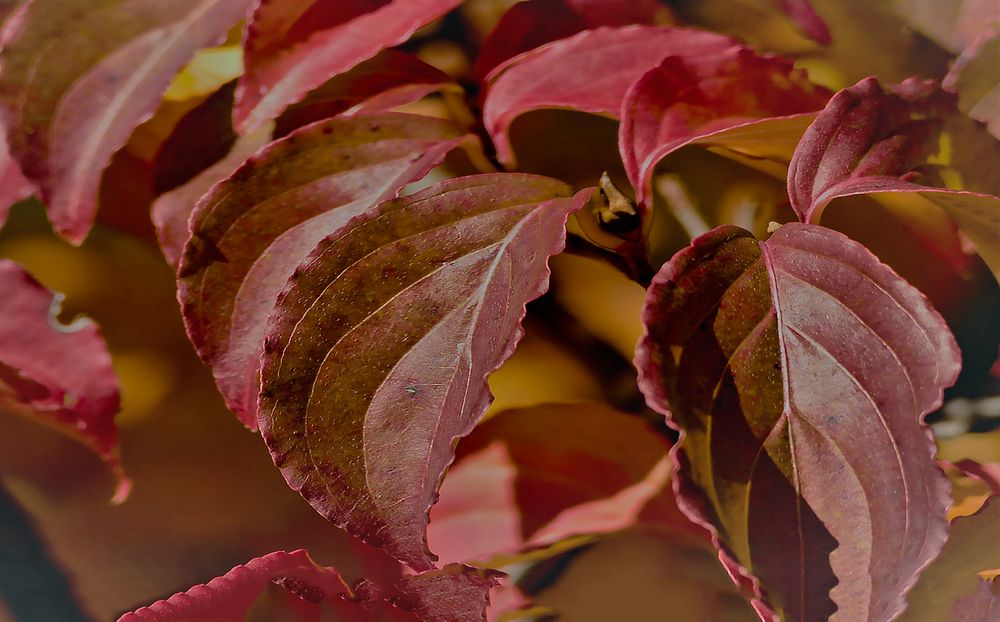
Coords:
695,100
532,23
13,185
981,606
799,370
57,374
590,71
378,349
805,17
77,78
252,230
295,46
869,141
534,477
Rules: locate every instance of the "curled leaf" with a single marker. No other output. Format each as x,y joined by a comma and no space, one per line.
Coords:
57,374
78,77
252,230
799,370
293,47
590,71
701,100
378,350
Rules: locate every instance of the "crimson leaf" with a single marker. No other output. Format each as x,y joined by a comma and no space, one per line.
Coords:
58,375
78,76
252,230
294,47
874,142
798,370
378,350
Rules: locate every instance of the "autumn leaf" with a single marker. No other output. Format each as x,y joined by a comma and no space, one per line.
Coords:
868,141
798,370
697,100
293,47
252,230
378,350
78,77
57,374
590,71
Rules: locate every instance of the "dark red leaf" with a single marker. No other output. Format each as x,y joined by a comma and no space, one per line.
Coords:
69,106
252,230
455,593
590,71
57,374
378,350
532,23
695,100
799,370
870,141
293,47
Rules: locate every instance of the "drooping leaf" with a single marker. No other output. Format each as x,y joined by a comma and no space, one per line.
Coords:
799,370
976,79
252,230
537,476
590,72
57,374
308,591
78,76
682,102
378,350
532,23
973,546
871,142
293,47
389,79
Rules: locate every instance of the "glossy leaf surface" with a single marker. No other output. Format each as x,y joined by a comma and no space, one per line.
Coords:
799,370
253,229
694,101
78,76
590,72
378,351
293,47
57,374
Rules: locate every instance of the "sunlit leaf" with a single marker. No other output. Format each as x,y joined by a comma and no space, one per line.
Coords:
253,229
954,24
378,350
57,374
293,47
798,370
976,78
78,76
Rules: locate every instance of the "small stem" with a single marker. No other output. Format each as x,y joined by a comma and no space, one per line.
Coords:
680,204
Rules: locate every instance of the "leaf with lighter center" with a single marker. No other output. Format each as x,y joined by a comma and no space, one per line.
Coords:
799,370
378,350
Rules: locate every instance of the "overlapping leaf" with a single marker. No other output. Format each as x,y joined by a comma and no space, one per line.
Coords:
871,142
976,79
58,375
529,24
307,591
696,100
293,47
13,185
538,476
590,71
953,25
78,76
798,370
378,351
253,229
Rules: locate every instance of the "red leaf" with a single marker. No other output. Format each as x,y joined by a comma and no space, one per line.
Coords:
453,594
532,23
252,230
378,350
798,370
378,84
694,100
59,375
590,71
13,185
534,477
805,17
293,47
69,107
